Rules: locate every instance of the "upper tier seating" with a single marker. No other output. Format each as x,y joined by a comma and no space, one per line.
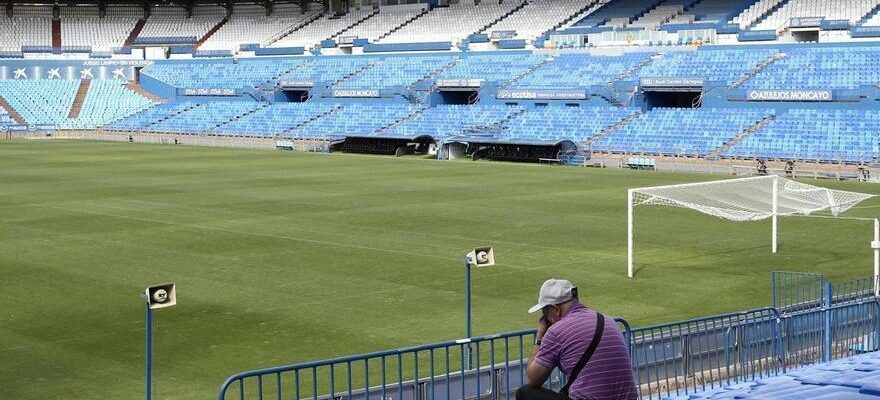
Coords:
30,26
250,24
169,21
715,65
554,124
852,10
451,24
710,10
492,68
659,15
756,11
580,70
538,17
244,73
839,68
355,120
614,13
395,71
81,26
105,102
873,21
451,120
40,101
831,135
387,19
673,131
322,28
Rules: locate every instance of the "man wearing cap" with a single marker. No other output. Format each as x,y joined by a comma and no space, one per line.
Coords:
586,345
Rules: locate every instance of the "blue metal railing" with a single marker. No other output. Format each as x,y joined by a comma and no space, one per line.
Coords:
668,360
794,291
425,372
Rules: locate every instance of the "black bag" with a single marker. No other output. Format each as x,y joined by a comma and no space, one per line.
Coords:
597,337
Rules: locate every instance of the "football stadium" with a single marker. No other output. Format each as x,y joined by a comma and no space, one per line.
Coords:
339,200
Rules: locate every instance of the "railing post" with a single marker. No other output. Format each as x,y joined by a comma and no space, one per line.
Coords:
827,334
773,289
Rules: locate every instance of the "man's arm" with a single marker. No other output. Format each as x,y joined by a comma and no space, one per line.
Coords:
537,373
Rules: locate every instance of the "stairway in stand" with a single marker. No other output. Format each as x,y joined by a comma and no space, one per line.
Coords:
211,32
134,87
79,99
11,111
138,27
56,33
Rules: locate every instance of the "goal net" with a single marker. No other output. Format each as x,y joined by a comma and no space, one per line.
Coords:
744,199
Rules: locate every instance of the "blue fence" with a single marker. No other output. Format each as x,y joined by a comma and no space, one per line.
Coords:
822,322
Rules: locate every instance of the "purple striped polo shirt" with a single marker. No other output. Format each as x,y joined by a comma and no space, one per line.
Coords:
609,373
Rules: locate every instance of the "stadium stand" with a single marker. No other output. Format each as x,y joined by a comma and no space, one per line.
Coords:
246,73
755,12
581,70
40,101
707,11
205,117
661,14
145,119
827,135
852,10
855,377
354,120
838,68
451,120
31,26
81,26
393,71
618,13
667,131
726,65
250,24
387,20
538,17
275,119
326,69
326,27
105,102
451,24
493,67
172,22
555,124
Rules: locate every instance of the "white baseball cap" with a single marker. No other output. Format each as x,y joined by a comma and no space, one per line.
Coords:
554,291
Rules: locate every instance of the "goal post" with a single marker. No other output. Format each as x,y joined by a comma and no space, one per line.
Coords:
746,199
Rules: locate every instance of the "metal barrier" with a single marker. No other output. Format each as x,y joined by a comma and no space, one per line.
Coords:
668,360
427,372
688,356
794,291
856,290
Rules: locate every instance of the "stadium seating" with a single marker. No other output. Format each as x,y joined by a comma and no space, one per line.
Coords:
322,28
492,67
554,124
275,119
581,70
355,120
205,117
726,65
854,377
171,21
537,17
874,20
672,131
839,68
327,69
755,12
452,120
615,13
451,24
394,71
40,101
386,20
852,10
82,26
803,134
659,15
144,119
250,24
31,26
245,73
708,11
105,102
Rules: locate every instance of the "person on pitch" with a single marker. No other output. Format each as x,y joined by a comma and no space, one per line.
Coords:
586,345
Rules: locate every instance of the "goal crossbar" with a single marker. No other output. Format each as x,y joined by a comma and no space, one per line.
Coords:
745,199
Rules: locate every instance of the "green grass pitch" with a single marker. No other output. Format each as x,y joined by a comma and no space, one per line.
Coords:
284,257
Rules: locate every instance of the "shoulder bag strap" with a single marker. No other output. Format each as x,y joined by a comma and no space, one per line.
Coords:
597,337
